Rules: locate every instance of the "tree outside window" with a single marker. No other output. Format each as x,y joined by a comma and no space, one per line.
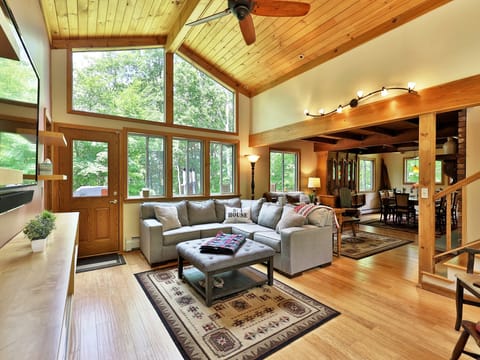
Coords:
283,170
200,101
222,165
411,171
187,160
366,174
127,83
146,164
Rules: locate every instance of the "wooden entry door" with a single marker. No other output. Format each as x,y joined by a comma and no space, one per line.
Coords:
91,161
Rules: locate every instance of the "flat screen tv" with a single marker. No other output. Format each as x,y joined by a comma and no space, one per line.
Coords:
19,111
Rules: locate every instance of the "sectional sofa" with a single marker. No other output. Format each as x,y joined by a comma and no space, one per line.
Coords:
300,243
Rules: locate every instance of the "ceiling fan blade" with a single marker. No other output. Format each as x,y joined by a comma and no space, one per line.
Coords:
280,8
248,29
210,18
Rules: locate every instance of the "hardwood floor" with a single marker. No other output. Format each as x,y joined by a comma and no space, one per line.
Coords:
384,315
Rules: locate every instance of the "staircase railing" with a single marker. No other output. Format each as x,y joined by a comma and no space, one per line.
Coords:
459,187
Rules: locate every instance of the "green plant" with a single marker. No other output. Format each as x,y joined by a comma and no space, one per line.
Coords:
40,226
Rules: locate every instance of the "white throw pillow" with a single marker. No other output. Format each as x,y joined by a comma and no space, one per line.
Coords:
237,215
168,216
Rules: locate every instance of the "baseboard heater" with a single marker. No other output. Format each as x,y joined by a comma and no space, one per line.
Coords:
12,200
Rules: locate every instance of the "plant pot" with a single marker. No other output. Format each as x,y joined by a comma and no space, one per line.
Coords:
39,245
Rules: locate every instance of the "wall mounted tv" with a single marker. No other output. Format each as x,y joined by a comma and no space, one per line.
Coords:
19,99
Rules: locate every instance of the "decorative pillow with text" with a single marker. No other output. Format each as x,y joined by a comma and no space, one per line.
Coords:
237,215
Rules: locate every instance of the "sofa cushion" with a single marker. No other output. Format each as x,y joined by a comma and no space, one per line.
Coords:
269,238
211,229
289,219
270,214
201,212
168,216
173,237
237,215
248,229
255,206
147,210
220,207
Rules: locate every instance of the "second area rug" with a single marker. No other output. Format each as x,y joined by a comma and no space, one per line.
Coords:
367,244
250,325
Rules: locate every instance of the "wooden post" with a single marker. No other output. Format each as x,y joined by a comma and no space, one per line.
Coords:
426,223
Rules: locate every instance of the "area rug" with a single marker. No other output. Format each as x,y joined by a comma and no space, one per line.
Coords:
99,262
367,244
250,325
410,228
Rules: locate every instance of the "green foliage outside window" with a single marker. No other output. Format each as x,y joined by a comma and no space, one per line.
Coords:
90,164
127,83
200,101
17,152
146,164
283,171
222,165
412,171
366,175
187,158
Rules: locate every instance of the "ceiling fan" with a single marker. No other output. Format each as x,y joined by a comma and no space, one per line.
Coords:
242,9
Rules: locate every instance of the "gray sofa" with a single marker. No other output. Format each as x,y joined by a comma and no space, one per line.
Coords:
297,248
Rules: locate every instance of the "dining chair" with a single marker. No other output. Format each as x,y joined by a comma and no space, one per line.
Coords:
403,207
387,207
350,215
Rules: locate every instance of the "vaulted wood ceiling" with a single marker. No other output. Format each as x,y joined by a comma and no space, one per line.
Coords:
285,47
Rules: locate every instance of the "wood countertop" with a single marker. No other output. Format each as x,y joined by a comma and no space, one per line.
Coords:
35,293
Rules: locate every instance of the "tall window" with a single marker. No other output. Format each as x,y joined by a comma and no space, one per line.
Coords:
283,170
146,164
411,170
187,159
200,101
126,83
366,174
222,168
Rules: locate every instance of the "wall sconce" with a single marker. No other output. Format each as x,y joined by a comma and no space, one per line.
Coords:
314,184
360,96
253,158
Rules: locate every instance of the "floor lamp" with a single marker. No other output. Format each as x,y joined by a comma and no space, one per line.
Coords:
253,158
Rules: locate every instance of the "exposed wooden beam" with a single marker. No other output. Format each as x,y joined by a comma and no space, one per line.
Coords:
322,140
351,136
383,130
193,10
451,96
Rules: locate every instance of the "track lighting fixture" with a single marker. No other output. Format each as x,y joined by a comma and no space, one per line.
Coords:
360,96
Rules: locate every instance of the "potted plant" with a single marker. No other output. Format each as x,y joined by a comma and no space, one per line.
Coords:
39,228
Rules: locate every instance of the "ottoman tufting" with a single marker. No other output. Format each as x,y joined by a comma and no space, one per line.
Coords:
231,269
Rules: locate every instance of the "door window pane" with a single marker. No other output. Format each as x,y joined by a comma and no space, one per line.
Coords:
90,168
222,168
283,170
187,159
146,164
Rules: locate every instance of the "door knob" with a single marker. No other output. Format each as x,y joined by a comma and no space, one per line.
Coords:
113,201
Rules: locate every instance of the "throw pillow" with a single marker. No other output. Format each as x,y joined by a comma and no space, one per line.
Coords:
293,199
201,212
289,219
237,215
320,217
270,214
220,207
168,216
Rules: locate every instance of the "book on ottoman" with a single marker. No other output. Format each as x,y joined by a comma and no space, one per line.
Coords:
226,244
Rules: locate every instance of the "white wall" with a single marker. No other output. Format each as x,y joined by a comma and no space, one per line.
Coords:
438,47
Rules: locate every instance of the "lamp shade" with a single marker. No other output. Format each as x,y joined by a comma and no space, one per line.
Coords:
253,158
313,183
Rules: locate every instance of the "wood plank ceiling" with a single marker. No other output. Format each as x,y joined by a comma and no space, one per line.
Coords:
285,47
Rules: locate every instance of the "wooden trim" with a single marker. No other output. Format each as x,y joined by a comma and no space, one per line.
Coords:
451,96
169,74
111,42
179,31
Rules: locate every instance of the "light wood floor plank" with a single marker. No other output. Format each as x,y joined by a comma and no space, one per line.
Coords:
384,314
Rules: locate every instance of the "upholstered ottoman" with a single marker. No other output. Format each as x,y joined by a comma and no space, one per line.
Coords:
231,269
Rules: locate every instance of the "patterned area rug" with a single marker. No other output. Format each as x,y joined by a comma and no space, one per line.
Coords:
250,325
367,244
